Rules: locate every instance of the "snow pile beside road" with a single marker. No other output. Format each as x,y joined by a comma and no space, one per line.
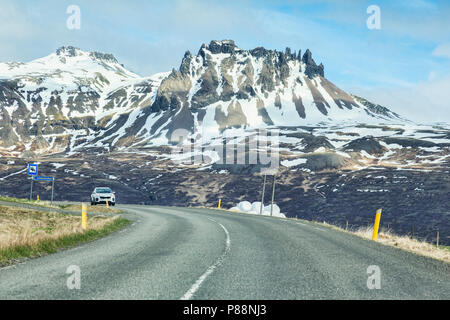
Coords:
255,207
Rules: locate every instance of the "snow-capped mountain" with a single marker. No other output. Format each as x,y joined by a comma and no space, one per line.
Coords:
47,102
226,87
74,101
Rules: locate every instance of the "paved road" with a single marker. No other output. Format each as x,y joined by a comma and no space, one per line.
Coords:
174,253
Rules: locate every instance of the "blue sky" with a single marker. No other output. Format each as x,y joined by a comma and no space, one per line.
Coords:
405,65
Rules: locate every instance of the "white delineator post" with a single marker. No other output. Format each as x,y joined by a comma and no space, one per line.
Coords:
273,194
262,197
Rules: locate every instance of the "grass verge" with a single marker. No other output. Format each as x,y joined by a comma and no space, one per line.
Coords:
64,206
17,200
27,233
388,238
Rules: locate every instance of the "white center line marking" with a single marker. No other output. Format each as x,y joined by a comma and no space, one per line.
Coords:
190,293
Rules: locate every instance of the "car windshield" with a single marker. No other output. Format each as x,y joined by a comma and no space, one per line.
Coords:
103,190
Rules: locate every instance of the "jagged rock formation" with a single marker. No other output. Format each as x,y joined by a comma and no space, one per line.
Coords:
73,100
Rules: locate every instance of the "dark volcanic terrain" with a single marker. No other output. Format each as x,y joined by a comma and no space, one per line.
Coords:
410,198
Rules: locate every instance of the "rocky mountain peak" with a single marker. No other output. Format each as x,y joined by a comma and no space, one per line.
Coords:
229,47
70,52
223,72
307,58
185,63
312,68
107,57
224,46
67,51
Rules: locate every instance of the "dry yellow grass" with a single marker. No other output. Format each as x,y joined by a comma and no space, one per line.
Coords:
19,226
403,242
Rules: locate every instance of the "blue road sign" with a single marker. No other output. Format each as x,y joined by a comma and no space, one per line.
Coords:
32,169
40,178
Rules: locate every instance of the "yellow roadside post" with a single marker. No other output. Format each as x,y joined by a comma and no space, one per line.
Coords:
37,197
376,225
83,216
107,205
220,200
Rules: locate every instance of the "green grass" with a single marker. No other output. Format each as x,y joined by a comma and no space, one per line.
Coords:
12,254
66,206
16,200
26,201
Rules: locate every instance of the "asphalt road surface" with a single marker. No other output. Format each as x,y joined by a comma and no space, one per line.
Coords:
186,253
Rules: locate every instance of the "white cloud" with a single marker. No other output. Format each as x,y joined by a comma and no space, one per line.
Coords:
427,101
443,50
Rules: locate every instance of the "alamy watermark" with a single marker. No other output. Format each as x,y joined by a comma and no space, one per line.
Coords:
374,279
259,147
74,20
74,280
374,20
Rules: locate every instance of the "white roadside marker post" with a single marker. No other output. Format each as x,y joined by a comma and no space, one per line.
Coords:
273,194
31,189
262,197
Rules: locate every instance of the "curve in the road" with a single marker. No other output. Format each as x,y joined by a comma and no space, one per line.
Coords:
190,293
173,253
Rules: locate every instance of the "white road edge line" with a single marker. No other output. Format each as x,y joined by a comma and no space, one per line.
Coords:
190,293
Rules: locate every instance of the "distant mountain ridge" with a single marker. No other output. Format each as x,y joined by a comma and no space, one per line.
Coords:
74,99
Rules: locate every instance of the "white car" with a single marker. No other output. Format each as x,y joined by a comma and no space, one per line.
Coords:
103,194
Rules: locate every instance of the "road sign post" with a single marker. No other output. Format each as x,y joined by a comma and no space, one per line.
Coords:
42,178
31,190
32,171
